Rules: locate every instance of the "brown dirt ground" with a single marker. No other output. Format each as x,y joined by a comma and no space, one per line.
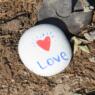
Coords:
15,79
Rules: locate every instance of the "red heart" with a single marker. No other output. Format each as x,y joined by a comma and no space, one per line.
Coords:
44,44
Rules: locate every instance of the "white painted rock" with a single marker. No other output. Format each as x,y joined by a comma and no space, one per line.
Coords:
45,50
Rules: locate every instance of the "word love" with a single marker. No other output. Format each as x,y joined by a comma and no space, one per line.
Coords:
53,60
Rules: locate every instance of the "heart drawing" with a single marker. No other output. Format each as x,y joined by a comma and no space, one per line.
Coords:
45,43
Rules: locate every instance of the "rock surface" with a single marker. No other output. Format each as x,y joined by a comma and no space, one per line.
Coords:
69,11
15,79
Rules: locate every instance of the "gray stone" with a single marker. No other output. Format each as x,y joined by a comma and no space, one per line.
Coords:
77,6
69,12
46,12
63,9
77,20
51,7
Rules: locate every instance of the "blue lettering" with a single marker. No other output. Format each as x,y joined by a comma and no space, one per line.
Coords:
63,56
57,59
41,65
50,61
53,60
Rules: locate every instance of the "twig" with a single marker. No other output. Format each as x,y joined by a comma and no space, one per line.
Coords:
4,36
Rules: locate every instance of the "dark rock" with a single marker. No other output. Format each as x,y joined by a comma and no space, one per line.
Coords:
69,11
77,20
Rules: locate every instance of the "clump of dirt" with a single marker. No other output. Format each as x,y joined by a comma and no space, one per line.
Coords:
15,79
10,9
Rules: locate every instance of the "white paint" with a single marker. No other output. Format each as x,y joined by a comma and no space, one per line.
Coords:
45,50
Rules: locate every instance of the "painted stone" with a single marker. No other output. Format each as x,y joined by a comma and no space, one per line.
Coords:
45,50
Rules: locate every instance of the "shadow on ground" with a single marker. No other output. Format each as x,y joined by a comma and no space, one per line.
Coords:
91,93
